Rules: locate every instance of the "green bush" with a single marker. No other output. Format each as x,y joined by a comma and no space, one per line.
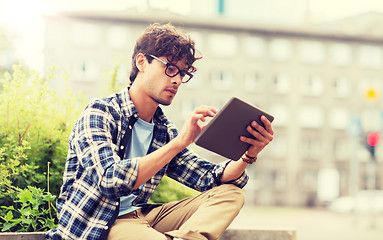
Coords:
34,127
36,119
169,190
33,212
11,171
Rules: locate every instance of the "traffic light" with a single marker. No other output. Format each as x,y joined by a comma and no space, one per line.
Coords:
372,140
372,94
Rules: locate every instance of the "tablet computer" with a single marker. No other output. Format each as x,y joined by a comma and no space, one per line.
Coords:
221,135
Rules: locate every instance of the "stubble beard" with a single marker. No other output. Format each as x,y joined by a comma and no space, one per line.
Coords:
164,101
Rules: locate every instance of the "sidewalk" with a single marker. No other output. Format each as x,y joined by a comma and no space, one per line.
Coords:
312,224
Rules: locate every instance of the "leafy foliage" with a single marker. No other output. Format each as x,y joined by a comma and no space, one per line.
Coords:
169,190
34,127
35,124
31,211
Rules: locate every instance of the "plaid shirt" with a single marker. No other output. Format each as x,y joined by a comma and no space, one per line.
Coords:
96,177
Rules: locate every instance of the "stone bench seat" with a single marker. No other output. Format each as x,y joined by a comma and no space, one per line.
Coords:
229,234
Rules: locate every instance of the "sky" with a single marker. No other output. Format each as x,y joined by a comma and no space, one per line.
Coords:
22,17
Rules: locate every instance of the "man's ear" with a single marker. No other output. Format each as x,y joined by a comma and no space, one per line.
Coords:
141,62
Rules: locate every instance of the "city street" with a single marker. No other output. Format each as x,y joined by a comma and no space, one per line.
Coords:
312,224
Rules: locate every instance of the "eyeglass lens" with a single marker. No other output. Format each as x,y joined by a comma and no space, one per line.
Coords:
172,70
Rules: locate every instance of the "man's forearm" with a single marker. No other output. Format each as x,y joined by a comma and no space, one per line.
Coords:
150,164
233,170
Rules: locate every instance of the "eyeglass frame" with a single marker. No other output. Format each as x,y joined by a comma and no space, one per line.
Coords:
181,72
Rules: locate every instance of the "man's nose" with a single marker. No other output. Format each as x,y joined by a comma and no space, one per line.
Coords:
177,79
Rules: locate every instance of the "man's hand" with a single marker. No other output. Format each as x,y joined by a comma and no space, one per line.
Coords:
153,162
263,135
192,127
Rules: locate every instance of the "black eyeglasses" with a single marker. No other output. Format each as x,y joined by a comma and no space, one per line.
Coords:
172,70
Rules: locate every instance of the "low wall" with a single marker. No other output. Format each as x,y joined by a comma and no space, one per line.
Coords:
22,236
258,234
229,234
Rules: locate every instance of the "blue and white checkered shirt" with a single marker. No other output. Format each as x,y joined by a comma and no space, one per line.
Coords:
96,177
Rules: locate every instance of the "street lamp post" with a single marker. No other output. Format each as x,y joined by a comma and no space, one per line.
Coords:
372,123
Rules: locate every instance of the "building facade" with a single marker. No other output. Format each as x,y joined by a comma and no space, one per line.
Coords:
313,81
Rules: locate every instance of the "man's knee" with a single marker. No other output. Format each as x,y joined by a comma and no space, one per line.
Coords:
233,193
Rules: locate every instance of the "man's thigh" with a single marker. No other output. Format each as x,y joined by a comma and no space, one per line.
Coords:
133,228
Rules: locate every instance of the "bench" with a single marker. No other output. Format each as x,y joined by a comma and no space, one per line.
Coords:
258,234
229,234
22,236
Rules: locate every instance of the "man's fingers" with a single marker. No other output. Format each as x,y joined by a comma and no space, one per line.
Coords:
268,134
251,141
255,133
206,110
267,124
197,117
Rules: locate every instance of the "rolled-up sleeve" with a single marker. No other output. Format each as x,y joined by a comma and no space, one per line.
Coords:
239,182
193,171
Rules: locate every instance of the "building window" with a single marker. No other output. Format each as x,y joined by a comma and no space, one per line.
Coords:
194,82
279,179
281,83
342,87
342,149
339,118
311,117
309,180
312,85
254,46
223,45
279,147
187,107
311,148
340,54
86,35
253,82
217,103
221,80
371,119
370,56
281,114
117,37
280,49
311,51
198,39
86,71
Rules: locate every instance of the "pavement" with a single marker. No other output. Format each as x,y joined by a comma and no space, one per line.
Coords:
312,223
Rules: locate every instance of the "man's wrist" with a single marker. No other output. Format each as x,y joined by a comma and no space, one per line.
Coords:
178,143
248,159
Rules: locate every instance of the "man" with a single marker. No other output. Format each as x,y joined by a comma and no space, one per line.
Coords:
122,146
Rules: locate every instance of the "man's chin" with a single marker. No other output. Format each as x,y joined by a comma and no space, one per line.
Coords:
165,102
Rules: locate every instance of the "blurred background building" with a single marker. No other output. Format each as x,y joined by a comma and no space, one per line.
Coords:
321,81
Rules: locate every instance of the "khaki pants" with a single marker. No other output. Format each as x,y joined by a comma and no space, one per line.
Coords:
205,216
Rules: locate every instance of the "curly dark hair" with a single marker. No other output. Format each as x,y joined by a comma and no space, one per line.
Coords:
164,41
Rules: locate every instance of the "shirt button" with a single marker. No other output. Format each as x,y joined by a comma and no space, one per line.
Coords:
135,115
130,127
106,227
122,147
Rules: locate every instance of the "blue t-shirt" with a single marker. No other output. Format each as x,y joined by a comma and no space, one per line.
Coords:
138,145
